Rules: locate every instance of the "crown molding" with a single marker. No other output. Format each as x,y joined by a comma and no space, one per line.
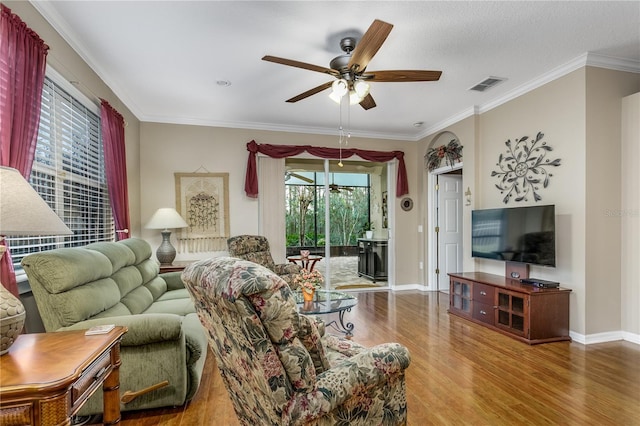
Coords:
586,59
272,127
445,124
612,63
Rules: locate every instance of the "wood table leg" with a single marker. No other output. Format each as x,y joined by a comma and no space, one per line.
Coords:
111,390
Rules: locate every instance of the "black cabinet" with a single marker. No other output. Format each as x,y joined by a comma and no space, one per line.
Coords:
372,259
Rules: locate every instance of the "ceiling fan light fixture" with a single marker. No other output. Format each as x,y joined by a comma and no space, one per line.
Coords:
335,98
355,98
361,88
340,87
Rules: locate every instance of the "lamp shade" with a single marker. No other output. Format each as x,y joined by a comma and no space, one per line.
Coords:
166,218
23,211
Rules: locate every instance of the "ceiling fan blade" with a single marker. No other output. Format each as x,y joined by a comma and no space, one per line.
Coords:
310,92
403,75
302,178
302,65
368,102
369,44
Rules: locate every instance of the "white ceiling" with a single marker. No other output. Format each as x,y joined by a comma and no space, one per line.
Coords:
163,58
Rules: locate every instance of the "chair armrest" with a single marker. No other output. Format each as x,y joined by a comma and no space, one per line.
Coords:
366,370
143,329
287,269
173,280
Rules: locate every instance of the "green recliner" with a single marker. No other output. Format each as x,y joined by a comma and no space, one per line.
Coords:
119,283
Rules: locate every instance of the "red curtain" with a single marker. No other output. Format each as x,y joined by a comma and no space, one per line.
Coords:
112,124
23,59
283,151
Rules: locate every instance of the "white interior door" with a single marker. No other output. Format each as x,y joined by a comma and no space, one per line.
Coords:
450,227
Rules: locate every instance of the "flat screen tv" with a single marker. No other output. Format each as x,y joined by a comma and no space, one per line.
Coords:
517,234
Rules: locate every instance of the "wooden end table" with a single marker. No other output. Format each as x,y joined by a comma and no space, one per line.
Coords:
47,377
307,263
176,266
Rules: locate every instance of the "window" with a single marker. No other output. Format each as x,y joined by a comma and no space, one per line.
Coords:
349,208
68,171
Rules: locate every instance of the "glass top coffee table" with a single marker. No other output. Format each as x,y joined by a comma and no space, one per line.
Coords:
329,302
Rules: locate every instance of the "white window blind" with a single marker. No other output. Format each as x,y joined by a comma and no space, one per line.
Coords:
68,172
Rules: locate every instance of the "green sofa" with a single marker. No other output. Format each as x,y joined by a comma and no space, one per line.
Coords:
119,283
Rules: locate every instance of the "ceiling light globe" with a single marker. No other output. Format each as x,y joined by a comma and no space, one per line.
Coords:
340,87
354,98
361,88
335,98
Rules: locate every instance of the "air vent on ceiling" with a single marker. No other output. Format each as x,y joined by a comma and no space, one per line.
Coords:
487,83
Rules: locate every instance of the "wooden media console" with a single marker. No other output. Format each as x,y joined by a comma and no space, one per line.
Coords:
527,313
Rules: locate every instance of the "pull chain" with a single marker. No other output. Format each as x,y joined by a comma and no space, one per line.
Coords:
341,133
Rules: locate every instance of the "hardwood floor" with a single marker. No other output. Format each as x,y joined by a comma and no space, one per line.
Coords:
461,373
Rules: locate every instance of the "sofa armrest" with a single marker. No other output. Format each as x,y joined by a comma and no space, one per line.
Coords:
367,370
173,280
143,329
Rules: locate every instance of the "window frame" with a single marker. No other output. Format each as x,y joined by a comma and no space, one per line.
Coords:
60,187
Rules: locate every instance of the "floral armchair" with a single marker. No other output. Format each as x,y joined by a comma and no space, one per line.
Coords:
277,367
255,248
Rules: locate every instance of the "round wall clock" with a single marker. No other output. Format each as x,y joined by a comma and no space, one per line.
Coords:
406,204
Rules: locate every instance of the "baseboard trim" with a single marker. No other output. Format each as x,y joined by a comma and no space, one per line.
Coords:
405,287
610,336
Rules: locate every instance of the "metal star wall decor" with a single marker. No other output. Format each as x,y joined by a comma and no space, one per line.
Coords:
523,168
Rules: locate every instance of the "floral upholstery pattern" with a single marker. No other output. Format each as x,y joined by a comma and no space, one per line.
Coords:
255,248
277,367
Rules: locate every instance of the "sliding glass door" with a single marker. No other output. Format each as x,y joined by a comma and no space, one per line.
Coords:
328,209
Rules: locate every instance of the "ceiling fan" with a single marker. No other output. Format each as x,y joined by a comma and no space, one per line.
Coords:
336,189
289,175
349,69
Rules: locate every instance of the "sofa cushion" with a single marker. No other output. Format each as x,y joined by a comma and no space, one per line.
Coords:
149,270
182,293
119,254
83,302
158,287
177,306
67,269
140,248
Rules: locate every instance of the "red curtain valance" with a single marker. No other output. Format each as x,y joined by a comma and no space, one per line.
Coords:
284,151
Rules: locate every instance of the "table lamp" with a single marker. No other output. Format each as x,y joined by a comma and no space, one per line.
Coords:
166,218
22,212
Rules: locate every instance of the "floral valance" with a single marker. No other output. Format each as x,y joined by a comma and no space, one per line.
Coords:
284,151
451,153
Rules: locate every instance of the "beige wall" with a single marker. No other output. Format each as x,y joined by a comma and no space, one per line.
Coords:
466,132
605,90
557,110
630,215
170,148
580,115
72,67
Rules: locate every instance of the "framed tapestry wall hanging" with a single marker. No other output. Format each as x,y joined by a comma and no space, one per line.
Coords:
203,201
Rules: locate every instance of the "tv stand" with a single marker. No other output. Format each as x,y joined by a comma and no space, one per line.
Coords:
527,313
